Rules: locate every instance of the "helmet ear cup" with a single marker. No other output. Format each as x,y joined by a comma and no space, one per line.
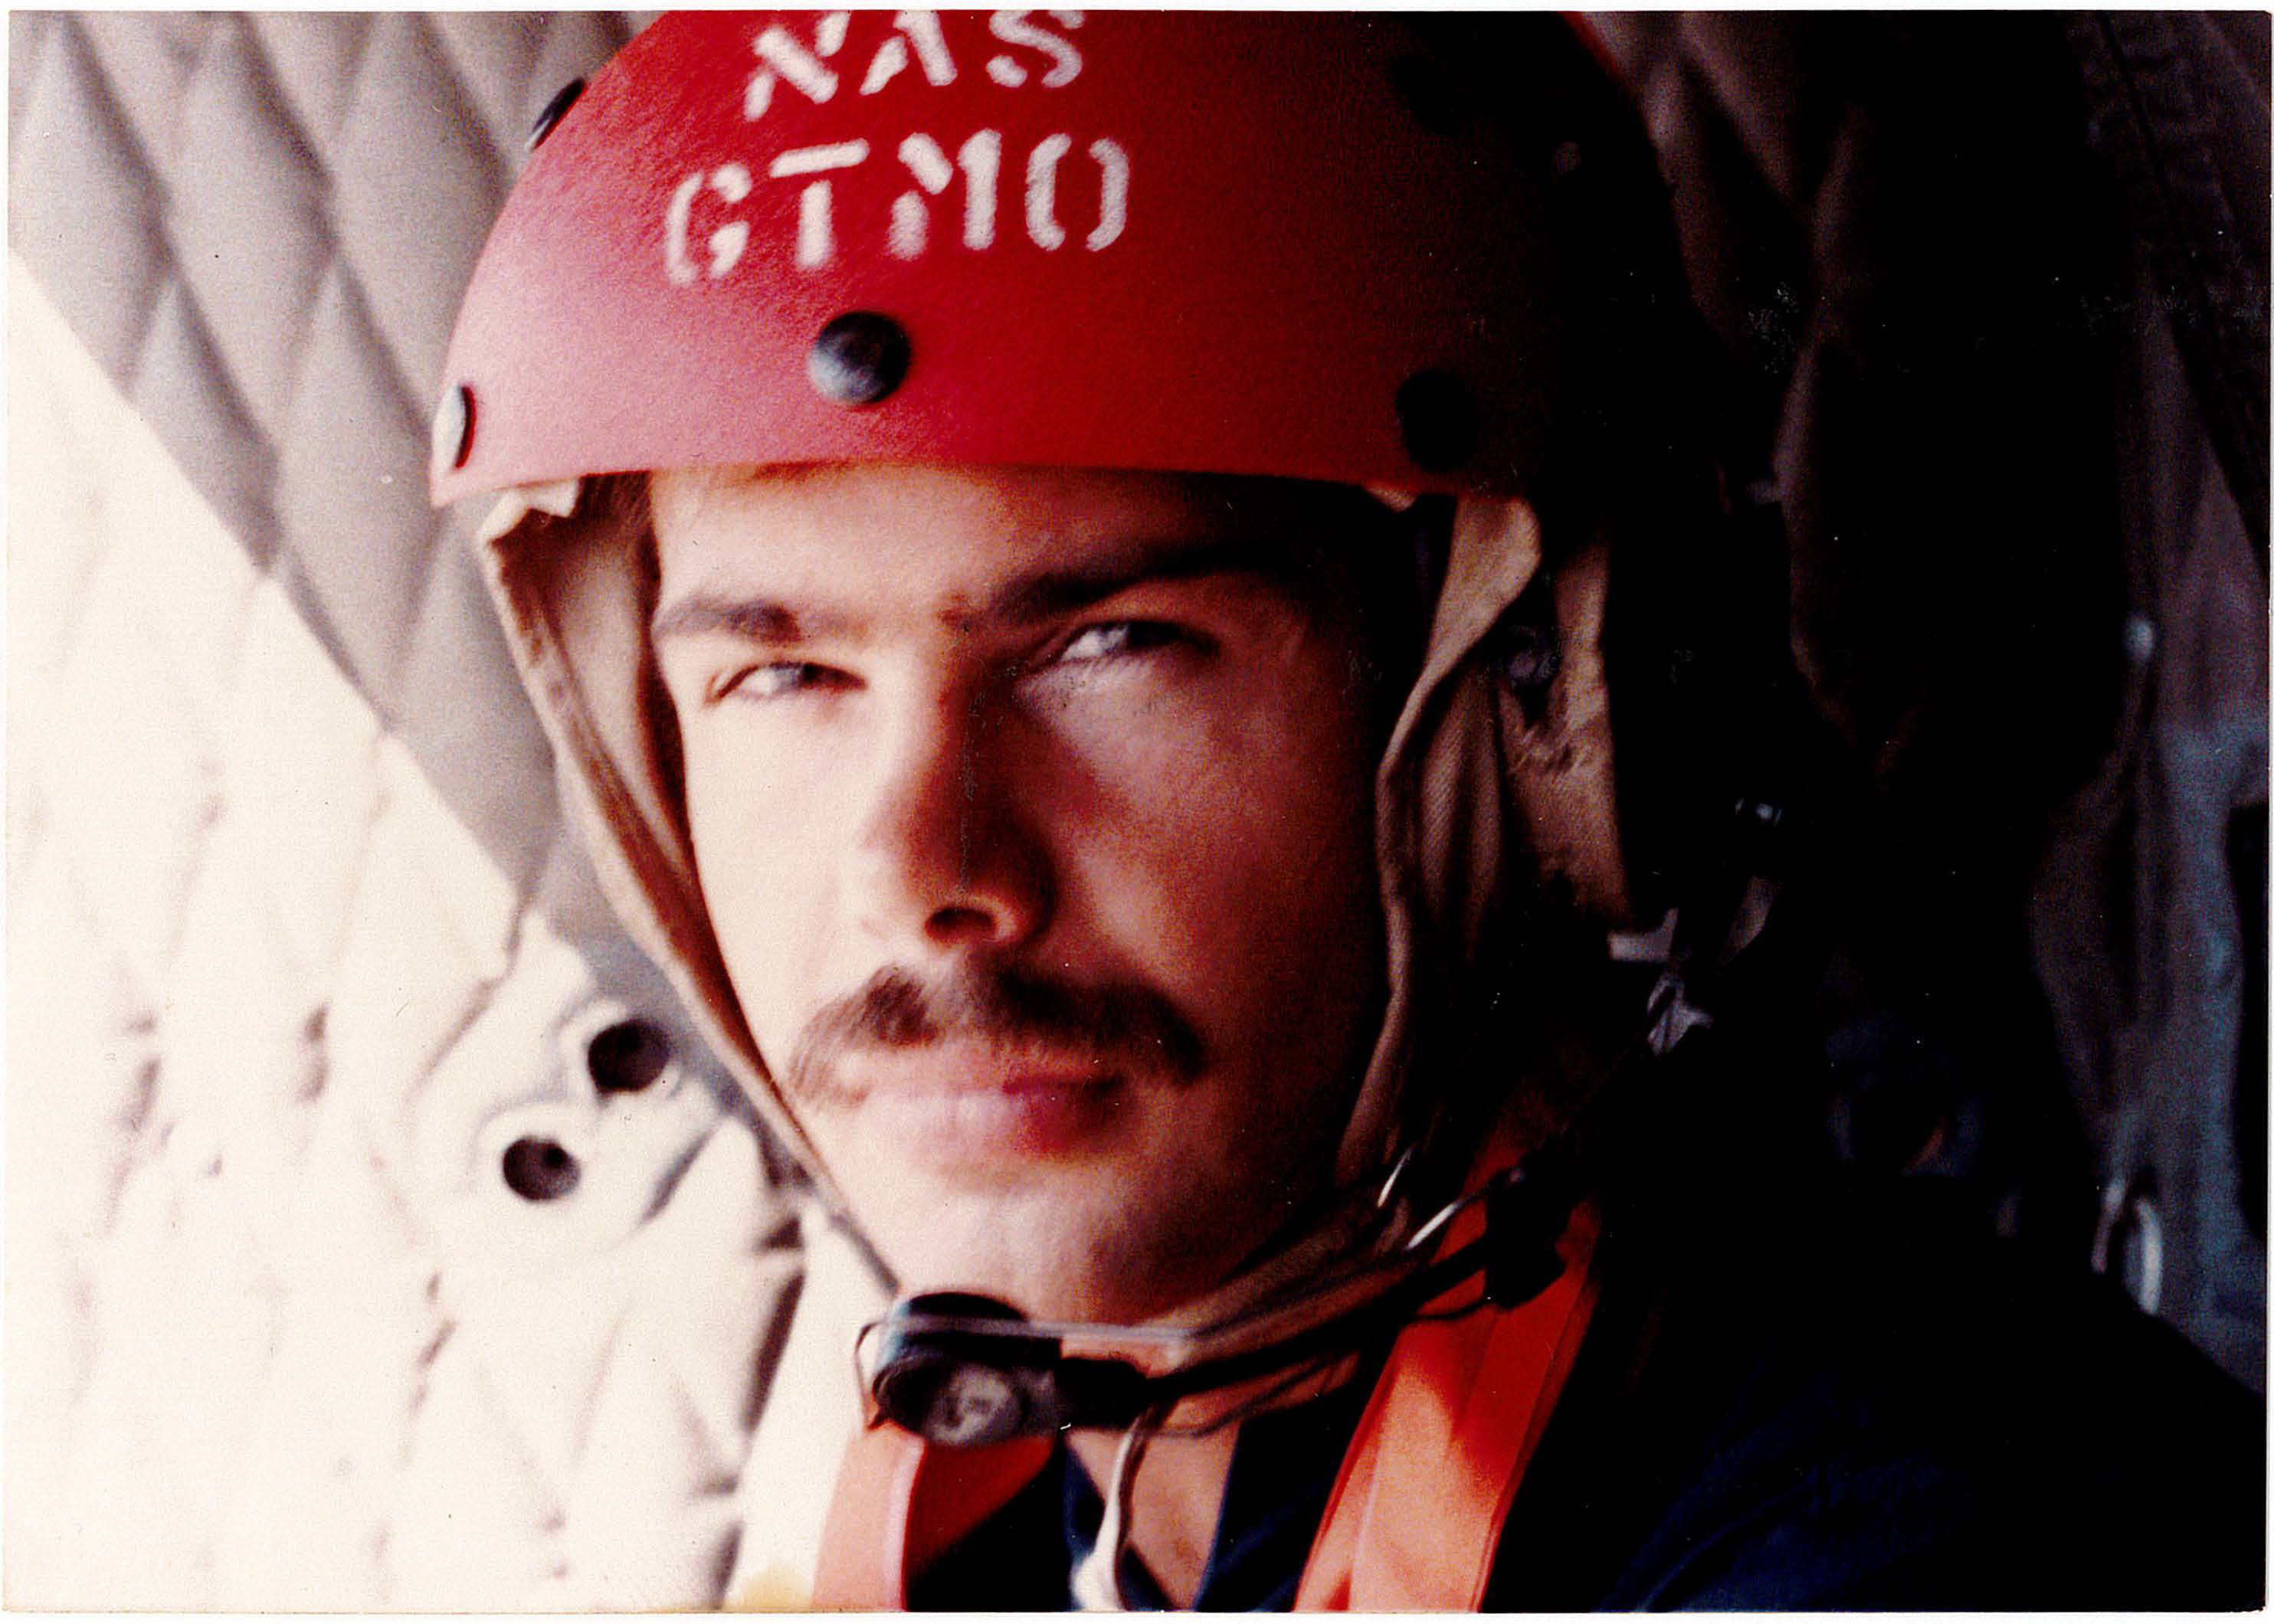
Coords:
1545,660
1709,706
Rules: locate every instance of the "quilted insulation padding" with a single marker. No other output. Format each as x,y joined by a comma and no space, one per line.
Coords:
297,945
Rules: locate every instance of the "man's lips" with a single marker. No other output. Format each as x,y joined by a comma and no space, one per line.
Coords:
956,1066
956,1105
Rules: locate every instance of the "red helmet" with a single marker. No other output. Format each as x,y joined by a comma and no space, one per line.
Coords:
1252,244
1309,246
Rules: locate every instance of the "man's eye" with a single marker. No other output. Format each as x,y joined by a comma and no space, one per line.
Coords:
1116,638
782,680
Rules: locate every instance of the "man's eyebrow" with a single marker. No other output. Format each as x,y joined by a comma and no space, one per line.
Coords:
1039,595
1045,593
754,619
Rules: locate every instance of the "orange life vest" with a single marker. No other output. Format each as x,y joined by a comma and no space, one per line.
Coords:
1414,1516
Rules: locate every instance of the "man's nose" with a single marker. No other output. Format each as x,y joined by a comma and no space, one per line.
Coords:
945,858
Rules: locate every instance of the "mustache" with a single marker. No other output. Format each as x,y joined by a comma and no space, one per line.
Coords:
1129,1026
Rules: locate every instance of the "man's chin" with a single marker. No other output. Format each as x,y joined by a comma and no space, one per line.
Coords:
1051,1254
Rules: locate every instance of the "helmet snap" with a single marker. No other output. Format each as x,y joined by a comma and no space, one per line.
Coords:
858,359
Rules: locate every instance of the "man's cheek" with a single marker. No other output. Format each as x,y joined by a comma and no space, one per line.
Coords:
767,912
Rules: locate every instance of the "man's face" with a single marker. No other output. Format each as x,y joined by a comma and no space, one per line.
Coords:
1033,811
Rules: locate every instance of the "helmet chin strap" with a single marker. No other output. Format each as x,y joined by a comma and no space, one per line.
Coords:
966,1371
963,1370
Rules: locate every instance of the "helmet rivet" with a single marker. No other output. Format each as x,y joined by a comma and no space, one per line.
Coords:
453,439
858,359
1438,418
549,115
